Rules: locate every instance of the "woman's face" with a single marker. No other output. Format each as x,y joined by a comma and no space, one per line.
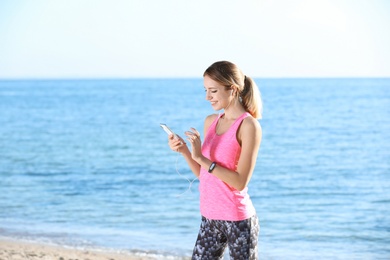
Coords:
216,93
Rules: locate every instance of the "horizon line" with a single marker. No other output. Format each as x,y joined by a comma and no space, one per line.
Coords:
181,77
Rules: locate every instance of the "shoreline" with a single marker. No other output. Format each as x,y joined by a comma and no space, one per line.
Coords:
22,249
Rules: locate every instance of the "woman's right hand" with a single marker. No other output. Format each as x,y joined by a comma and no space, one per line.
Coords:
176,143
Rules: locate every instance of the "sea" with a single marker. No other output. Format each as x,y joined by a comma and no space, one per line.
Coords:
84,163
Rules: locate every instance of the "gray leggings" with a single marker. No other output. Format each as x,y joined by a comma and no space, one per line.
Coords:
240,236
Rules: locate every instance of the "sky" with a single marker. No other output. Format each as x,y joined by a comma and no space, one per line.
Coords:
181,38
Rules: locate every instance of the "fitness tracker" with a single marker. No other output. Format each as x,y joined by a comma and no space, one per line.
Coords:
212,166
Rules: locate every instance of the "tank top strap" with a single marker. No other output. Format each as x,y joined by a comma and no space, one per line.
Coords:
213,125
238,122
215,122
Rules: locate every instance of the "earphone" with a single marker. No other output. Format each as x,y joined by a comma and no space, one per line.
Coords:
190,182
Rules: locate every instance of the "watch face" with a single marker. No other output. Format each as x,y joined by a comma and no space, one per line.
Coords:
212,166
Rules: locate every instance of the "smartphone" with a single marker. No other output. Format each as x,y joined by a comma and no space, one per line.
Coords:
167,129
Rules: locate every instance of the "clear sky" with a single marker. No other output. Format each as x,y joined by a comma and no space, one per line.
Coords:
180,38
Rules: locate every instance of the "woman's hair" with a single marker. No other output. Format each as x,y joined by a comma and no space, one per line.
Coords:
229,75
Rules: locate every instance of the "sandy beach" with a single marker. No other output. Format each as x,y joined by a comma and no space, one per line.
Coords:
18,250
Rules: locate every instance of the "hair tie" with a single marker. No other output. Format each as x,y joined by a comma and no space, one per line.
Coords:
244,83
245,90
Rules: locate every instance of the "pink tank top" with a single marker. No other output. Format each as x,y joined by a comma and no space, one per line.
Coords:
218,200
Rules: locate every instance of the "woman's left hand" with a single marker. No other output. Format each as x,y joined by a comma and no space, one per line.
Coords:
194,137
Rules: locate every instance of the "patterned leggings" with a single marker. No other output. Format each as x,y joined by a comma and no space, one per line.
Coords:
240,236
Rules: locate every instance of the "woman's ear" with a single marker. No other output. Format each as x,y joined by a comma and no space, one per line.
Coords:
233,91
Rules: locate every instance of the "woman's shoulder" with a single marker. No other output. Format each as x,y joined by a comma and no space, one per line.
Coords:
251,124
211,118
249,130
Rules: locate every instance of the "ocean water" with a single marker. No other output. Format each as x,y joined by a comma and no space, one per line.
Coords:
85,163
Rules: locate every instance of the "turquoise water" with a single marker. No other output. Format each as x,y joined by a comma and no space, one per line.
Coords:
85,163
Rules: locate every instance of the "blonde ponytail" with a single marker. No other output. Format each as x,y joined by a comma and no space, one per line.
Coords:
251,99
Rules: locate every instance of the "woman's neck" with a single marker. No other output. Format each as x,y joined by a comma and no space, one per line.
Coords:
234,111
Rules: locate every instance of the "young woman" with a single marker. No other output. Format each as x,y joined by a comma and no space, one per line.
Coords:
224,164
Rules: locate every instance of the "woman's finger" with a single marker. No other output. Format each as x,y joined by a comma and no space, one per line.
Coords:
196,132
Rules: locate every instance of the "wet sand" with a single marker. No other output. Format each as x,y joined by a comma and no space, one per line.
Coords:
18,250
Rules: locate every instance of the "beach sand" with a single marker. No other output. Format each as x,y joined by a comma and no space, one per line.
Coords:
18,250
